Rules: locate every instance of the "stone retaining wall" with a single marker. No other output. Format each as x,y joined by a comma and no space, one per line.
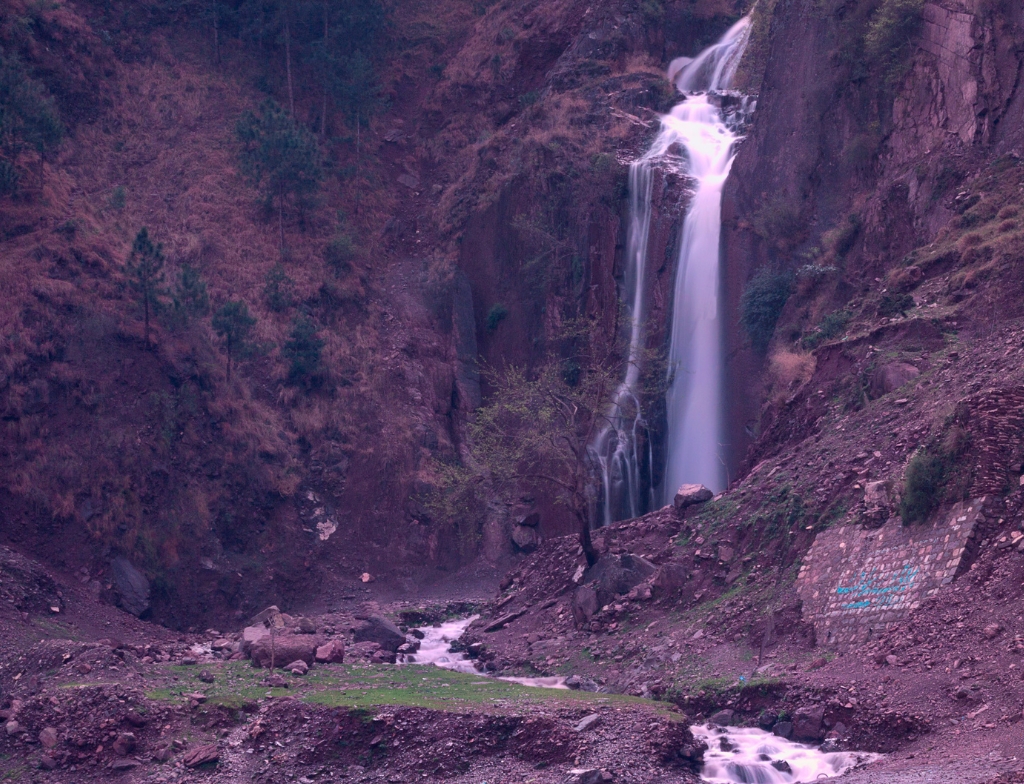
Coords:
855,583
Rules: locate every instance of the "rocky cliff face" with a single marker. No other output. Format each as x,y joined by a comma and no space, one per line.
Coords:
841,140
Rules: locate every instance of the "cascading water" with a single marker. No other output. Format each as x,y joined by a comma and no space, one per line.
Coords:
707,136
694,397
615,451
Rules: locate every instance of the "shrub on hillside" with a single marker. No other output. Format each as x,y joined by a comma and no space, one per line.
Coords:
890,35
922,487
761,305
302,350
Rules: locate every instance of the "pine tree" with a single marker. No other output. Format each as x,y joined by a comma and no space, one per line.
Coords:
145,274
279,156
233,325
191,299
302,350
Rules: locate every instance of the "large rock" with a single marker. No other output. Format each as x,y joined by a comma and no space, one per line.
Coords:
251,635
132,586
584,604
614,575
286,649
331,652
670,580
688,495
890,377
808,722
525,538
381,631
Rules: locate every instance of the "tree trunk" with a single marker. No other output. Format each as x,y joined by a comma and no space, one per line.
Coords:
145,316
586,542
229,360
323,114
42,160
288,59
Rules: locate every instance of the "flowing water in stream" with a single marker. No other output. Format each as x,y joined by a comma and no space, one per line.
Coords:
751,756
735,755
697,138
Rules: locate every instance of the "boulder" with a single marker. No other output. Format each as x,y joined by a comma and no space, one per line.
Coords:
584,604
306,626
201,755
724,718
331,652
783,729
591,776
669,580
380,630
890,377
252,635
525,538
124,744
614,575
286,648
587,722
272,612
807,722
688,495
132,586
576,683
297,667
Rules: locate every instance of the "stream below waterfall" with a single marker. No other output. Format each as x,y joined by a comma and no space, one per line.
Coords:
735,755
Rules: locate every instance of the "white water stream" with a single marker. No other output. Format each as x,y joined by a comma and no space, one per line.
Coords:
435,648
735,755
746,757
697,140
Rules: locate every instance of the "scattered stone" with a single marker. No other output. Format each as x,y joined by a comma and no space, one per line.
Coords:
688,495
781,766
366,577
504,620
189,661
201,755
163,753
992,631
380,630
306,626
298,667
84,668
121,765
223,644
47,763
591,776
276,681
576,683
206,676
12,727
891,660
48,738
588,722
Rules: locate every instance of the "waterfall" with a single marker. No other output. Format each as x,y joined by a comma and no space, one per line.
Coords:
614,451
694,397
706,135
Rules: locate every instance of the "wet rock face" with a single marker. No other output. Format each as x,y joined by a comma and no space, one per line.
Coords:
132,587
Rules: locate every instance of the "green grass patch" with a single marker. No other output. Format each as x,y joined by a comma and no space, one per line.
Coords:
368,686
